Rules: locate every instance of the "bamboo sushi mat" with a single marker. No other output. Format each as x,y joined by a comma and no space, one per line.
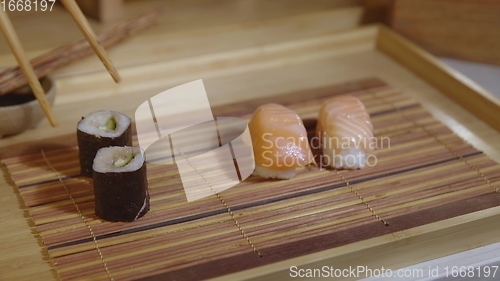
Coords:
426,174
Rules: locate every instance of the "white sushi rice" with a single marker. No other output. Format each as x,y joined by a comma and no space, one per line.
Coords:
351,158
144,204
93,123
274,174
104,161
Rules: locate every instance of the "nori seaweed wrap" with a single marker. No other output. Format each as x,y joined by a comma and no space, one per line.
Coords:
120,184
101,129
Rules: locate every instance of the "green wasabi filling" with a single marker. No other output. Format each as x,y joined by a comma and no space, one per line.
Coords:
123,161
110,125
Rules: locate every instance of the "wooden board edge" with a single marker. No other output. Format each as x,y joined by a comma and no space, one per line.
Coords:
447,80
434,240
31,229
449,233
342,253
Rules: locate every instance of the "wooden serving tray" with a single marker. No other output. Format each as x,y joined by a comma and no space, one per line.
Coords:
318,218
423,173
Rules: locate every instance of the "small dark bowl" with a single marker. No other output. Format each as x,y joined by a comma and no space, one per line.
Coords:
19,112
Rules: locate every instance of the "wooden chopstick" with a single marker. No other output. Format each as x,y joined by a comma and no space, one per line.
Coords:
17,49
89,34
13,78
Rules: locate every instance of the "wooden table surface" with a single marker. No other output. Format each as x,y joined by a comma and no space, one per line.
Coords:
191,31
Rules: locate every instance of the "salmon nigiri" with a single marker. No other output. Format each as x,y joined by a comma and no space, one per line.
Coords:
279,141
345,132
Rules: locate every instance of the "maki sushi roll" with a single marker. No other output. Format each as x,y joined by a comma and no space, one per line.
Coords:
120,184
101,129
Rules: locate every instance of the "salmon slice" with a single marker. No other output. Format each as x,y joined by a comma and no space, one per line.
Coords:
345,132
279,141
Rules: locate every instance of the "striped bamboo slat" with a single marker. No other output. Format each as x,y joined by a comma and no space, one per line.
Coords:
426,174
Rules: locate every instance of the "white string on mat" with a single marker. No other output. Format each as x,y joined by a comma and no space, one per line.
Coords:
84,219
